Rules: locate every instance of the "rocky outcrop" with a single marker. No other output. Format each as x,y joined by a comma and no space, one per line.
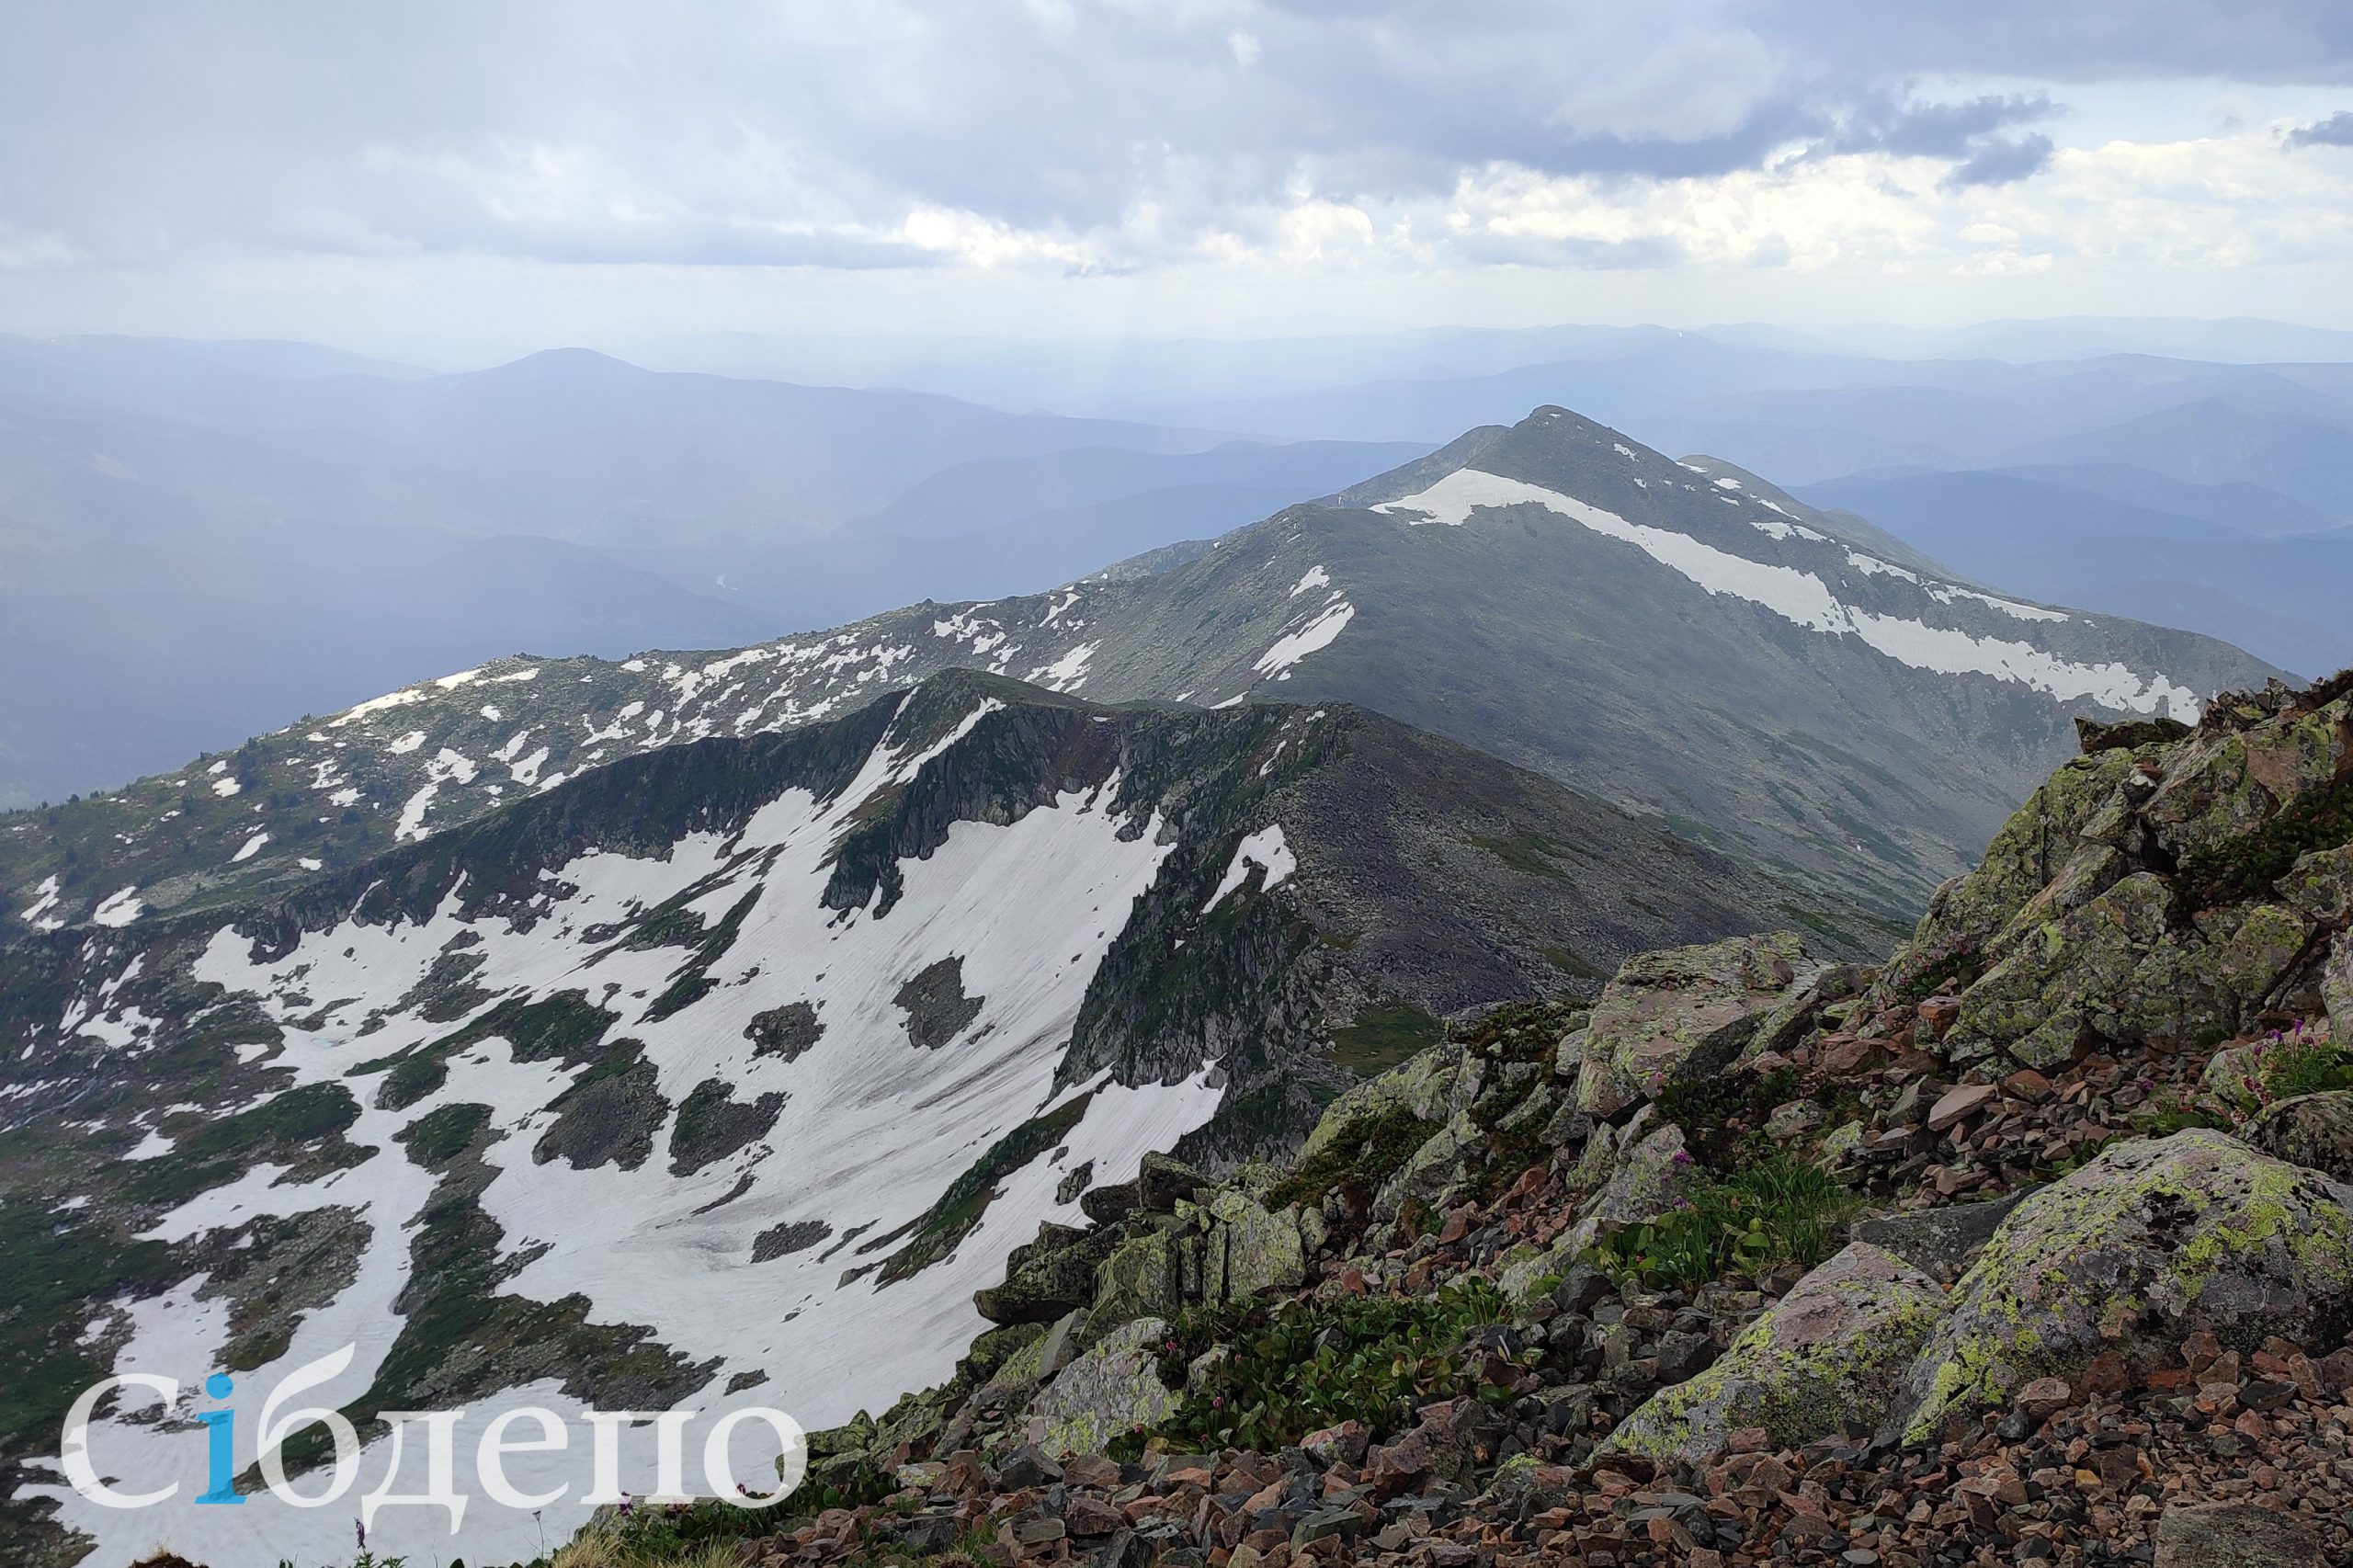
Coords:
1840,1342
2155,1240
2178,893
1671,1016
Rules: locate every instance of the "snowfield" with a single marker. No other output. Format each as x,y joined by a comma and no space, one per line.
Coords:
870,1128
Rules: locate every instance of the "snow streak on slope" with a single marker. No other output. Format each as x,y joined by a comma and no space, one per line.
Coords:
866,1125
1805,599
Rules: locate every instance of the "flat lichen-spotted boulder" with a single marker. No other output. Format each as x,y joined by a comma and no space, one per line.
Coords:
1836,1346
2151,1242
1108,1391
1671,1015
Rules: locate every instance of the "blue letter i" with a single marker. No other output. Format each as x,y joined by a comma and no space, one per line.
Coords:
224,1425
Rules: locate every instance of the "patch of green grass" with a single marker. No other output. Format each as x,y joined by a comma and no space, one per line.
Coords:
284,1127
58,1268
1529,854
1356,1163
1382,1038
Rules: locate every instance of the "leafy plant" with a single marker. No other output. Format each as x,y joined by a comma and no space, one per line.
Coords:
1781,1209
1295,1368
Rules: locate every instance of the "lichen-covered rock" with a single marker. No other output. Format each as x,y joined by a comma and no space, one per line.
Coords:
1109,1390
1836,1348
1436,1171
2320,886
1245,1250
2221,786
2033,846
1154,1273
2152,1241
2311,1130
2120,969
1048,1277
1671,1015
1433,1085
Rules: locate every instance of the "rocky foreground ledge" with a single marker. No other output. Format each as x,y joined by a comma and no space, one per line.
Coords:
2034,1243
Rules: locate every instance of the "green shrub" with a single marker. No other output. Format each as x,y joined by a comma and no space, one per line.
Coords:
1296,1368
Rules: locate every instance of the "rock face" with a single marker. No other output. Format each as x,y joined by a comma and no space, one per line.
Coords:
2233,1535
1670,1016
1109,1390
1838,1344
2315,1131
2150,1243
2178,891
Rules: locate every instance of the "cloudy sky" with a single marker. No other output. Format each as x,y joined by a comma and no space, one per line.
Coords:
484,178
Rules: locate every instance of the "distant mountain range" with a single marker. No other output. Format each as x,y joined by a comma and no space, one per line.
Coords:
1682,639
197,540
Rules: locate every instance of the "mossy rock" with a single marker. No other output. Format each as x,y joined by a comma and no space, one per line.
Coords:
1432,1087
2311,1130
1155,1274
2336,989
1668,1016
1968,913
1246,1251
1836,1348
2150,1243
2118,969
1109,1391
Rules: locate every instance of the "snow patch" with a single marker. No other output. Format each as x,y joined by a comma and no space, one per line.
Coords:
1265,850
118,908
250,848
1806,600
1313,637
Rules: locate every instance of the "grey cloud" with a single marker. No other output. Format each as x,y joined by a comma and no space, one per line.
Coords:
751,133
2003,162
2336,131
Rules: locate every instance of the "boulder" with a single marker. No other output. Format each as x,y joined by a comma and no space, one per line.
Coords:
1837,1344
1940,1242
1967,912
2312,1131
1433,1085
2232,1535
1245,1250
1440,1167
2320,886
2222,785
1153,1274
2154,1241
1111,1390
1674,1015
1651,1180
1047,1278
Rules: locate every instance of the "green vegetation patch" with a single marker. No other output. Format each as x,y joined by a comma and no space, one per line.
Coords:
1781,1209
1298,1366
58,1268
301,1128
1356,1163
1382,1038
